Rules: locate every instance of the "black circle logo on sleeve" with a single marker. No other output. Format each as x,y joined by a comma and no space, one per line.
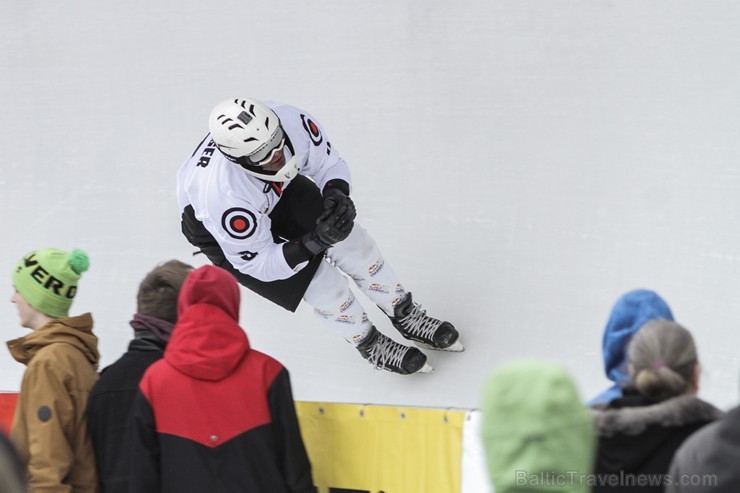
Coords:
239,223
44,414
313,130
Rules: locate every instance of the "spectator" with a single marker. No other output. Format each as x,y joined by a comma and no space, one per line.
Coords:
11,469
707,462
111,399
49,427
640,432
214,414
537,435
633,310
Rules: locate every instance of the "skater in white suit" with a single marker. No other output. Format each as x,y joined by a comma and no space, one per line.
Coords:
266,196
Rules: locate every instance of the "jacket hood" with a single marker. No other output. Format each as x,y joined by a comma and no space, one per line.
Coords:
633,310
533,421
210,285
75,331
207,342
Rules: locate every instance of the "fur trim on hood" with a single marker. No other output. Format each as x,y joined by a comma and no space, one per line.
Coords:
677,411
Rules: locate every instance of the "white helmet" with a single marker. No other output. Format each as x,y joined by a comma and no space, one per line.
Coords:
249,134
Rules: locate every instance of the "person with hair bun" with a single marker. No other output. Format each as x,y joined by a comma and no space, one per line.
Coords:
640,432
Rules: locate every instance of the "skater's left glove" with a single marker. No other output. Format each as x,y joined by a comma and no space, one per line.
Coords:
339,209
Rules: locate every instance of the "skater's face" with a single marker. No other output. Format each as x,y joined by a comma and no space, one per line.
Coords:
277,161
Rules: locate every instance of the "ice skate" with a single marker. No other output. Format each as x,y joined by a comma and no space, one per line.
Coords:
428,332
384,353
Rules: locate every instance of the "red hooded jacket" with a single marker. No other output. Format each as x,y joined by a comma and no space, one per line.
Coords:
215,415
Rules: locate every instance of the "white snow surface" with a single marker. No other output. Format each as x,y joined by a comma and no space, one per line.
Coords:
521,164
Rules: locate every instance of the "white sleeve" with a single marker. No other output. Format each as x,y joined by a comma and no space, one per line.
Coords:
324,162
337,170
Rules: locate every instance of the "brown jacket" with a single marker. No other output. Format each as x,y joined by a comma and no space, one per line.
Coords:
49,427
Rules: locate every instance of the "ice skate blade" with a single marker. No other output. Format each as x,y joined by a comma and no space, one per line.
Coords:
427,368
457,347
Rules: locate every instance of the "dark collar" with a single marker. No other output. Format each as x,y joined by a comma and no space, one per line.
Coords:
146,341
634,419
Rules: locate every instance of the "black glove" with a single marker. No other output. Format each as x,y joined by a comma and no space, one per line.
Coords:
329,231
338,207
333,225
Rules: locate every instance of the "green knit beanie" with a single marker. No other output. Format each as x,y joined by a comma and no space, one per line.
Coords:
48,278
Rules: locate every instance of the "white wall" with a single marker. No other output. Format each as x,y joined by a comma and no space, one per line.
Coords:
521,163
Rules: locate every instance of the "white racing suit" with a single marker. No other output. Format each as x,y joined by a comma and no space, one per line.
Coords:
241,223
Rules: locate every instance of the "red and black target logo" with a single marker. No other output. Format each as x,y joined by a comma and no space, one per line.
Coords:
313,130
239,223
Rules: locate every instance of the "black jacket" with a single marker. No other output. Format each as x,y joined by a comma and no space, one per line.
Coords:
637,439
109,410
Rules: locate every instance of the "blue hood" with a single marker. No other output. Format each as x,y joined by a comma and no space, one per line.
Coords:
630,312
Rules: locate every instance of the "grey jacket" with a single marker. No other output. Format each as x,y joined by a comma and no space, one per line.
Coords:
710,458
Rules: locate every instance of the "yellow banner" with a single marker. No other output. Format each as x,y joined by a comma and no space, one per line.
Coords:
368,448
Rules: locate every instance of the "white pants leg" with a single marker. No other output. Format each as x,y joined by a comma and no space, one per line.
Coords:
360,258
335,305
329,293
